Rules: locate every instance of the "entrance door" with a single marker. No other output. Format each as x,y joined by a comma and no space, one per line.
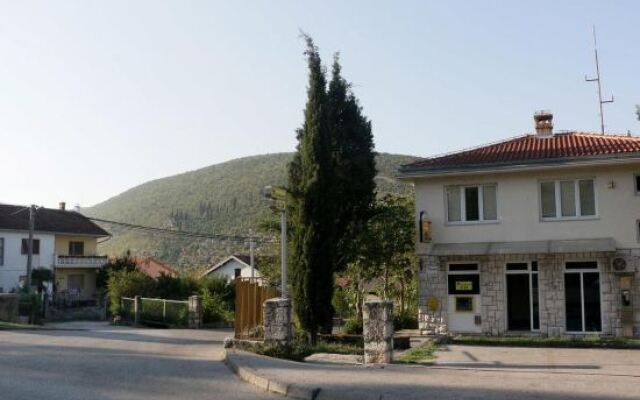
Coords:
523,310
582,297
518,302
464,298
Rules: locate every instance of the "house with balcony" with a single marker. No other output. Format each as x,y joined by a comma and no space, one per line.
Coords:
63,241
537,234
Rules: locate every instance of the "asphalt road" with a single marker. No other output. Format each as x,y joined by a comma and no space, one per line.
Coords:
96,361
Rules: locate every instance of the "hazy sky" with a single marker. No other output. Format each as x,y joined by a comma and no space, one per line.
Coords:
97,97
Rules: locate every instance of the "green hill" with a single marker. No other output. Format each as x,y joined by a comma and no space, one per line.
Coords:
223,199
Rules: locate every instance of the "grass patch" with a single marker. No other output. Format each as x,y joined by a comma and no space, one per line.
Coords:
299,351
17,325
591,341
418,355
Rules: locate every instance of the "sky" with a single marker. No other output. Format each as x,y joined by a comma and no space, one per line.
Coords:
98,97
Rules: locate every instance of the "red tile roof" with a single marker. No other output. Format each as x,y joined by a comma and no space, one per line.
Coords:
532,149
153,268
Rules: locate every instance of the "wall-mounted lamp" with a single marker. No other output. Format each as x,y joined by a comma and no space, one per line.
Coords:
425,228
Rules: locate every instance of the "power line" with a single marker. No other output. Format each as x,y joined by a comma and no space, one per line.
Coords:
175,232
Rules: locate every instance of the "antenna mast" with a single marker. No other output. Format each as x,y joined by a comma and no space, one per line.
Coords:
597,79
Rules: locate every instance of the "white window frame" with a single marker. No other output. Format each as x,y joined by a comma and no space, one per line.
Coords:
529,272
582,271
576,199
463,205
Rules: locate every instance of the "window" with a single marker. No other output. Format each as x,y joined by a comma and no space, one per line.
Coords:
76,248
636,178
523,297
1,251
471,203
237,272
567,199
75,282
25,246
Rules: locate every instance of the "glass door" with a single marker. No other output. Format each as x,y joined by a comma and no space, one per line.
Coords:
522,297
582,297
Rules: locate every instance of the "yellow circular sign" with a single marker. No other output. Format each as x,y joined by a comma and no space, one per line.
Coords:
433,304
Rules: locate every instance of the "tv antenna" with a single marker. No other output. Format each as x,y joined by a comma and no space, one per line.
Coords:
597,79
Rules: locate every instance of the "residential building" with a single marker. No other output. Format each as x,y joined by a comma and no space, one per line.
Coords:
234,266
153,268
63,241
539,233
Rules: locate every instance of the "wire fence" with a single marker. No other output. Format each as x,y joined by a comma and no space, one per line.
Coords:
127,309
166,312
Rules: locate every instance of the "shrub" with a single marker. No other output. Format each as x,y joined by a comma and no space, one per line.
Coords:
214,307
353,326
405,322
127,283
30,306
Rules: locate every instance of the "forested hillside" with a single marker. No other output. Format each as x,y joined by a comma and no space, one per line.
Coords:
223,199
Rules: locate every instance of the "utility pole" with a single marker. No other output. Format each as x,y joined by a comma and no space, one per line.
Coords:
278,196
252,244
32,223
597,79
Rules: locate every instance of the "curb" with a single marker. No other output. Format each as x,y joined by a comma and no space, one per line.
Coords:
251,376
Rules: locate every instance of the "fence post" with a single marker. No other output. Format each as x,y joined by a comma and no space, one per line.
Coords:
195,312
137,309
278,327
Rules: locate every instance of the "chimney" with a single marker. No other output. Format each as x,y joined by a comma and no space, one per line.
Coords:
63,205
544,123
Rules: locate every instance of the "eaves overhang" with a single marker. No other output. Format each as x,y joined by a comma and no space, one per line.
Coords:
407,172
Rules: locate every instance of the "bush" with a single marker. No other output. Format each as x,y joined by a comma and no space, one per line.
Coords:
30,306
353,326
214,307
405,322
127,283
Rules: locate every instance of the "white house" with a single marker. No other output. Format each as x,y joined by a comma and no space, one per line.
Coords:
63,241
538,233
237,265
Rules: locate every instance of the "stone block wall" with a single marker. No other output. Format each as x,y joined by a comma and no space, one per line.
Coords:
278,322
377,331
433,292
8,307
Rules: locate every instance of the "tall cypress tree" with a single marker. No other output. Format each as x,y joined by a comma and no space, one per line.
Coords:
331,181
354,166
309,183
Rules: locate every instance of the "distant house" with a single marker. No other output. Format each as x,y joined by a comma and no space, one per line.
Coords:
63,241
237,265
153,268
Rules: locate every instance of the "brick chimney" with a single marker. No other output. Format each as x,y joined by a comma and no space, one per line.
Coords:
544,123
63,205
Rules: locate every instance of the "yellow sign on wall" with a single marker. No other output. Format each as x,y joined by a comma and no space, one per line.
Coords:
464,285
433,304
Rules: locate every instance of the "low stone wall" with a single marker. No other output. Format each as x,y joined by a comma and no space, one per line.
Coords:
54,314
9,307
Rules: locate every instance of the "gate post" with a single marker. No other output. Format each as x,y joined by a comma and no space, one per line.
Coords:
377,331
195,312
277,322
137,309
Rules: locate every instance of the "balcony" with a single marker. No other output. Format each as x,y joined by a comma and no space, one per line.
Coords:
80,261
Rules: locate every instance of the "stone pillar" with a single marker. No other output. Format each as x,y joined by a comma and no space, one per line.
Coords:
137,309
378,331
195,312
277,322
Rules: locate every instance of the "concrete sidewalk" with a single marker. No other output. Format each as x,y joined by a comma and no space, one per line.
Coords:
604,376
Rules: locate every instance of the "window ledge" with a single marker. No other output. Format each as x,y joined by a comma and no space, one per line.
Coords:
464,223
564,219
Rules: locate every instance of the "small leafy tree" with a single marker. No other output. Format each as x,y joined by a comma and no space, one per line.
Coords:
122,263
39,276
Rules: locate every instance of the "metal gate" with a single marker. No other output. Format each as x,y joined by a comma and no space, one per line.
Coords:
251,293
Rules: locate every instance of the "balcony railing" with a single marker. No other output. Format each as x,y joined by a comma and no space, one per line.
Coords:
81,261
